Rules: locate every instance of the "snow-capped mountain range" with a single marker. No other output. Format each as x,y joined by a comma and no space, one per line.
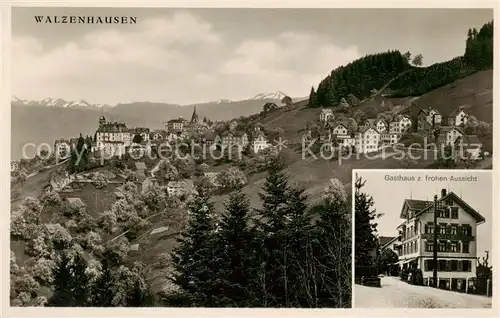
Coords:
277,95
56,102
59,102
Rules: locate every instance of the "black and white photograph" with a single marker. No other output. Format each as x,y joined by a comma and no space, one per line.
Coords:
423,239
203,157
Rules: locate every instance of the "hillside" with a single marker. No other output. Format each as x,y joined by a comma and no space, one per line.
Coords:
393,73
475,91
35,123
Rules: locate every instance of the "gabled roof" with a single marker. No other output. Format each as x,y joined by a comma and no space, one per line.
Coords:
421,206
457,111
370,122
426,111
335,125
446,129
364,129
76,201
385,240
176,121
451,195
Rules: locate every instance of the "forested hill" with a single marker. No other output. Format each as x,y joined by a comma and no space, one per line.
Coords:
393,73
359,78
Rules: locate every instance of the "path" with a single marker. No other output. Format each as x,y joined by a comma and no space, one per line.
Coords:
395,293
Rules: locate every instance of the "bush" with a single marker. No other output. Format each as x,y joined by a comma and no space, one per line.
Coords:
52,199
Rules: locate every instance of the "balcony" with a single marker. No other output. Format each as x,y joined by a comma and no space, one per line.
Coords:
451,237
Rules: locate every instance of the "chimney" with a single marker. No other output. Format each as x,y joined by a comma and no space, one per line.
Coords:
443,193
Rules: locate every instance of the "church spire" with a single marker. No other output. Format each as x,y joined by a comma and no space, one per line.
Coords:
194,117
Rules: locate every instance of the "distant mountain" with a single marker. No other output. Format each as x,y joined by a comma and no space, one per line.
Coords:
55,102
277,95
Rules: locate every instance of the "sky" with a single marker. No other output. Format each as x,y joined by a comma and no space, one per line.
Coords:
186,56
389,196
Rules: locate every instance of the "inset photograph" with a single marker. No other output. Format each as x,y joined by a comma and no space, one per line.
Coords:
423,239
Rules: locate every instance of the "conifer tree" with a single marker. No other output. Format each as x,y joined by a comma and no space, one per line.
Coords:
235,254
313,102
365,227
193,259
283,231
71,284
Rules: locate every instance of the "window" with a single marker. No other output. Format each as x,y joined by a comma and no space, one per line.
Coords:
465,247
466,230
454,212
429,246
454,229
442,246
429,228
454,246
442,229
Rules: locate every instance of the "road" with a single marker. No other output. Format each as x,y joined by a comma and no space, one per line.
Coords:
395,293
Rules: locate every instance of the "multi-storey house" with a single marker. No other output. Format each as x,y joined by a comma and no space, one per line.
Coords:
458,118
367,139
259,142
429,117
404,123
326,115
175,125
112,137
456,239
449,135
382,126
235,139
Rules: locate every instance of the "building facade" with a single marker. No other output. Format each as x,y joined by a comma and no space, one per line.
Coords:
326,115
456,237
112,137
367,140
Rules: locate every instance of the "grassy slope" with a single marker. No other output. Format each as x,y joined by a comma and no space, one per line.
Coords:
475,90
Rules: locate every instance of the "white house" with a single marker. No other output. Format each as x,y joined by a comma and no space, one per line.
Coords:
237,138
382,125
367,140
430,115
325,115
460,117
112,137
404,123
340,130
456,233
260,142
452,134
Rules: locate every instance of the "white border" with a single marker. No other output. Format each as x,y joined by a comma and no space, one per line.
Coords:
162,312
